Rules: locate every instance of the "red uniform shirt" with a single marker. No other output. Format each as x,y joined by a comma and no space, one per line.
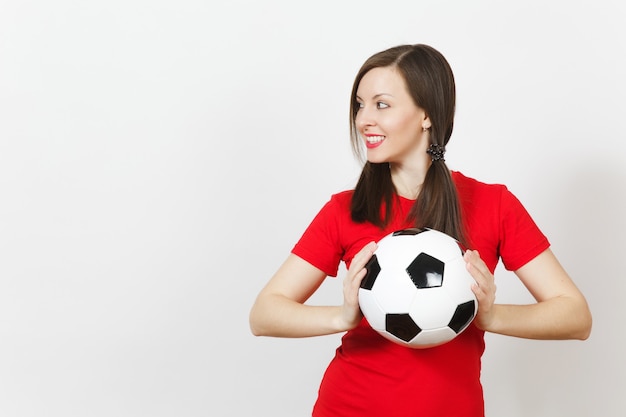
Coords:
372,376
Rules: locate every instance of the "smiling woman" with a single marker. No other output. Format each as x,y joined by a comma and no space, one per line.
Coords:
402,110
160,159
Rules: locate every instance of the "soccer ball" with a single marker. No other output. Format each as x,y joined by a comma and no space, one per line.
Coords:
417,291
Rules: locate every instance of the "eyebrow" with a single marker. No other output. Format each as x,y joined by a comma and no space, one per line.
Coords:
379,95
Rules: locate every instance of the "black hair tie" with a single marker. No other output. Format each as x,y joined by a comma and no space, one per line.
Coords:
436,152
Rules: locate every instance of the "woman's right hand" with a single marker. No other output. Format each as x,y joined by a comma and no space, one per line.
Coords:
351,313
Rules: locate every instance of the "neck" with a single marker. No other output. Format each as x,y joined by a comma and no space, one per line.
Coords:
408,180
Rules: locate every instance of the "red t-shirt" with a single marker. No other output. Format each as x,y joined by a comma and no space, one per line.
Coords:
372,376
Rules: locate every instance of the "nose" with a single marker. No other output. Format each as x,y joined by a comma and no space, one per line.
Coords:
365,118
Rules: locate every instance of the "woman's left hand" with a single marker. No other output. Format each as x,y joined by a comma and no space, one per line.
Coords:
484,288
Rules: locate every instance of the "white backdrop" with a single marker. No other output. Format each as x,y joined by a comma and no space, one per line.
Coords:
158,160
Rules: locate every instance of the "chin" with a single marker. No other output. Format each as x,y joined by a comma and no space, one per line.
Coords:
376,159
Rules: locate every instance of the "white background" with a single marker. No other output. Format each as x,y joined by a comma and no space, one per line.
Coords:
159,159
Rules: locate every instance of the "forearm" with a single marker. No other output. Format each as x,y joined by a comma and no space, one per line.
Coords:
278,316
556,318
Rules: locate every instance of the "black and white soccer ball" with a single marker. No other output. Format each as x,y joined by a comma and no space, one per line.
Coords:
417,290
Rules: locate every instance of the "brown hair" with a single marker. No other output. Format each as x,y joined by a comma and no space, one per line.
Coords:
430,82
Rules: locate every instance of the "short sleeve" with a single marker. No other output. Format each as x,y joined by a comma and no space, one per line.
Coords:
520,237
320,243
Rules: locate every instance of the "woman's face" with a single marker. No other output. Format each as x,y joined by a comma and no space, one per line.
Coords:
388,120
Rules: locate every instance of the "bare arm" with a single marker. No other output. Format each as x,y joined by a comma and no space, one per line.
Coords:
561,311
279,309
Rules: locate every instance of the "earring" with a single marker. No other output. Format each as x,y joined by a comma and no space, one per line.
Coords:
424,129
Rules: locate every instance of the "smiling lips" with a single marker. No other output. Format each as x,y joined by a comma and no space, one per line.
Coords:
373,141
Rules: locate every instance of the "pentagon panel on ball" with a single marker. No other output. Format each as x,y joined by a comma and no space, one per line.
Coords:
417,291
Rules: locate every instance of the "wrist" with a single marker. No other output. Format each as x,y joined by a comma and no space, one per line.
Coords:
343,322
487,321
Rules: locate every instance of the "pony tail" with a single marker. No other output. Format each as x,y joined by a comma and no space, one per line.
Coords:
373,188
437,206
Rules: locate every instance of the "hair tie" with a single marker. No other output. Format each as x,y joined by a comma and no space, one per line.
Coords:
436,152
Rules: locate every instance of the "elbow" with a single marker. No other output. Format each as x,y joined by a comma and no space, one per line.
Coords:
256,327
585,323
585,328
255,330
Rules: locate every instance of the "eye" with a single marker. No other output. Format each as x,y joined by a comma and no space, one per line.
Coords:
358,105
381,105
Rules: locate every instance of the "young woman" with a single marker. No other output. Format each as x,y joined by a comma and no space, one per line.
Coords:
402,113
